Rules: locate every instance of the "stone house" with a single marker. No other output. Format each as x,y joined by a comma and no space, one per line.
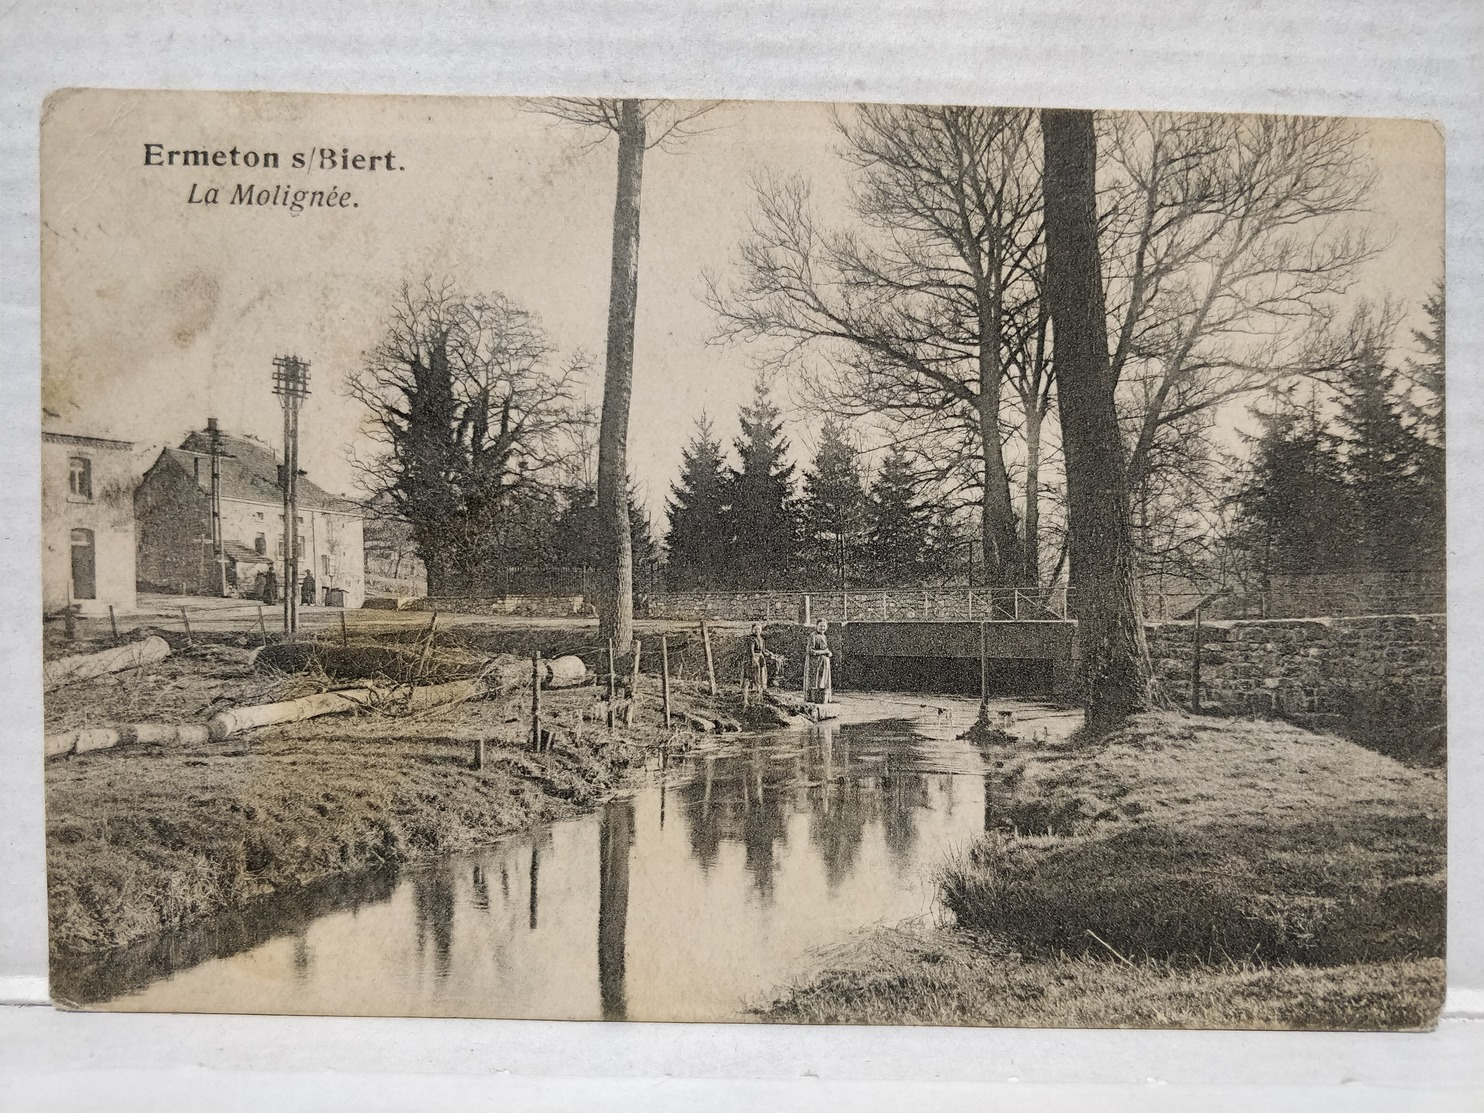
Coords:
87,523
173,509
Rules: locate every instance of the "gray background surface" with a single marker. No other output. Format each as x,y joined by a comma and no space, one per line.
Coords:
1417,58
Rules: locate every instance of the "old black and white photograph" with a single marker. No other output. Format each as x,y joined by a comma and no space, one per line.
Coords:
642,560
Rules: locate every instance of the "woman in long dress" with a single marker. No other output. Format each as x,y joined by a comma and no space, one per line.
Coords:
820,690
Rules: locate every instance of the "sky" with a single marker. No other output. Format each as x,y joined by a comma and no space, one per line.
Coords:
159,310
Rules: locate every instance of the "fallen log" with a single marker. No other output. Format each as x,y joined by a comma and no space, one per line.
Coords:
564,671
80,740
404,664
140,733
402,699
76,668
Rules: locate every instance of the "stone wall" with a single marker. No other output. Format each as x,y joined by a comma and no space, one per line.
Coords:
1382,679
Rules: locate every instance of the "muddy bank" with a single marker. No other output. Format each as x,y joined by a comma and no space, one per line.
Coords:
1196,872
143,839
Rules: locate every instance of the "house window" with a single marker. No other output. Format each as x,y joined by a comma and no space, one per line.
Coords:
260,544
80,478
257,515
324,565
299,547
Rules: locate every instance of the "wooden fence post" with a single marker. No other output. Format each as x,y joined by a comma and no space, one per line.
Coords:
536,701
628,714
612,683
710,663
187,621
665,676
113,623
984,663
1195,668
344,636
479,755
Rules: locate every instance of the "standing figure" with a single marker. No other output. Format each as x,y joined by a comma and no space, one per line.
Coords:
818,688
270,587
306,595
757,660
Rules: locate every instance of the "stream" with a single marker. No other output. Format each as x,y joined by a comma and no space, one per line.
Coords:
713,880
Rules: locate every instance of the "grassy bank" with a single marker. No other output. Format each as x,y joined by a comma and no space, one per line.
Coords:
142,839
1183,872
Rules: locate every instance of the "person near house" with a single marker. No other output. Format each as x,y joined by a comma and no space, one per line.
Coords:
306,594
818,688
270,586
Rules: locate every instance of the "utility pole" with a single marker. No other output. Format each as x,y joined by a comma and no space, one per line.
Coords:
290,385
218,551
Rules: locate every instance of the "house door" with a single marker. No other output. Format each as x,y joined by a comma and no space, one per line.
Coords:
84,565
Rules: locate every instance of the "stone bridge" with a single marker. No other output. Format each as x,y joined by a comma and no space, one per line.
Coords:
1004,656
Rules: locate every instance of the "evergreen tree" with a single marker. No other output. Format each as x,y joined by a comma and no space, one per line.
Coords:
763,519
576,537
1296,513
698,538
897,524
1425,406
1381,458
834,508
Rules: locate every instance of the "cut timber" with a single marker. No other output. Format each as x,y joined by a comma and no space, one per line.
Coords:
567,670
401,699
404,664
80,740
138,733
75,668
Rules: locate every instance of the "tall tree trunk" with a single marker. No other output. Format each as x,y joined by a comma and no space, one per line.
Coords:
616,595
999,531
1031,536
1113,659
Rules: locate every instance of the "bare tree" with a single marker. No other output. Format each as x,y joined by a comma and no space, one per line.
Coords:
1113,660
468,419
923,314
1225,242
639,125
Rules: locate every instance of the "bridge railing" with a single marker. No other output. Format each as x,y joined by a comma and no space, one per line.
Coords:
950,603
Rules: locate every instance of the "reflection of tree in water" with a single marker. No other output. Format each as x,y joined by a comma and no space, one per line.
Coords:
904,792
837,827
749,798
481,889
740,798
615,836
433,899
301,957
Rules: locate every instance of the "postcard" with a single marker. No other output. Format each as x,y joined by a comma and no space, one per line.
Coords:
621,559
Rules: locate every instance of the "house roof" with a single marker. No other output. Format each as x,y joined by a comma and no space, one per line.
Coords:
241,552
86,440
250,472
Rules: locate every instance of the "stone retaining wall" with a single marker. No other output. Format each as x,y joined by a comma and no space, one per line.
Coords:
1382,679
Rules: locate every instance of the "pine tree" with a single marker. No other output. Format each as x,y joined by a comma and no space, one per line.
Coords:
1425,406
698,537
834,508
1381,462
1296,512
897,524
763,520
577,534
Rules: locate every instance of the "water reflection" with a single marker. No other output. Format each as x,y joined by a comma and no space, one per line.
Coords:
434,904
706,887
615,837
